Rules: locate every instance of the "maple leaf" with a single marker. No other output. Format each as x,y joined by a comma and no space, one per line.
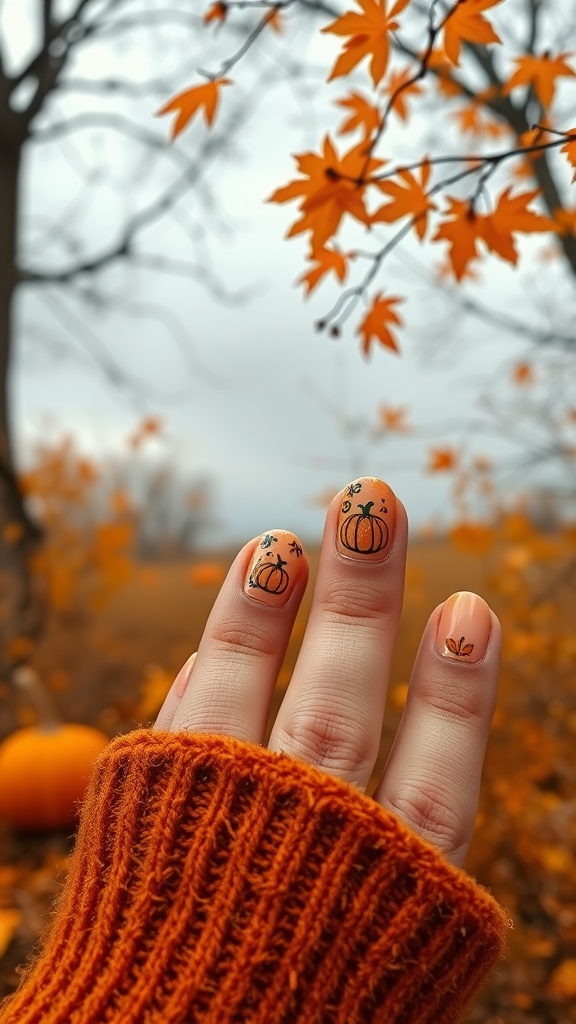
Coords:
330,190
512,214
326,260
462,229
397,83
408,198
472,119
438,62
189,102
394,418
465,227
364,115
216,12
375,323
570,150
466,23
274,20
566,221
442,460
523,374
368,34
541,73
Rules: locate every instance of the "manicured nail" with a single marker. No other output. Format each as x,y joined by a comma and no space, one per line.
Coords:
181,681
366,520
464,627
275,567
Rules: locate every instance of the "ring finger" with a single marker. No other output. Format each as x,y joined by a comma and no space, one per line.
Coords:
244,642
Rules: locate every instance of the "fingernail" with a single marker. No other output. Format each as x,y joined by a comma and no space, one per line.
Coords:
464,627
275,567
181,681
365,528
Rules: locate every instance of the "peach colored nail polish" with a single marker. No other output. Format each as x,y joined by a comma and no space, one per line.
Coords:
365,528
274,568
181,681
464,627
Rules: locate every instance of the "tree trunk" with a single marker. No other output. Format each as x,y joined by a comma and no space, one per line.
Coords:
20,601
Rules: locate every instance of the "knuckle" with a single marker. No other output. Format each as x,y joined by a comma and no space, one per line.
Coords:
239,638
327,740
464,702
347,602
431,815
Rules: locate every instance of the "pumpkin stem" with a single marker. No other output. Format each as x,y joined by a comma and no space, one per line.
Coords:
366,508
29,682
280,562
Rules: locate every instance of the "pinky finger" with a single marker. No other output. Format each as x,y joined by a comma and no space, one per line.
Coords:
174,696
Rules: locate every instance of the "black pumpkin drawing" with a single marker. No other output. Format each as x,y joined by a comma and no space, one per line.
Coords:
363,532
271,576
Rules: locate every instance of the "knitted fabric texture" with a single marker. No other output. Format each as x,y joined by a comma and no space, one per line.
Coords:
215,881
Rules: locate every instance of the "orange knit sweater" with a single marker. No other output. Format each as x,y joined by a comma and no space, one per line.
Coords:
215,881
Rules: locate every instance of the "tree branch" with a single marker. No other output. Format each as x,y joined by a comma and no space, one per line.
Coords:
534,7
193,172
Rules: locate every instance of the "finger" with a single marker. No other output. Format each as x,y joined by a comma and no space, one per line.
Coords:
332,713
174,695
245,639
432,778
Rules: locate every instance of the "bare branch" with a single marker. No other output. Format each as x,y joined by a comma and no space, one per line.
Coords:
113,122
46,21
535,8
196,272
137,389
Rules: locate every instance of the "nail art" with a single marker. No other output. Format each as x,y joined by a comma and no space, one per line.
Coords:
182,679
365,528
464,628
274,568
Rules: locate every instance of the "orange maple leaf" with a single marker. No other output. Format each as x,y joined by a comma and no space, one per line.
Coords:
464,227
408,198
274,20
216,12
541,73
473,119
512,214
566,221
394,418
523,374
466,23
442,460
189,102
570,150
326,260
397,83
364,115
330,190
438,62
375,323
368,34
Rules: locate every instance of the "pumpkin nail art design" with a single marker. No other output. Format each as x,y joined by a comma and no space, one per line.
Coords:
274,568
464,628
365,529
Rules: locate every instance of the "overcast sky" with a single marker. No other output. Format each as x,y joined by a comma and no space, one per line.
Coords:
261,396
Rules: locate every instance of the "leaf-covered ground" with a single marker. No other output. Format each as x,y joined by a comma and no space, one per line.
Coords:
112,668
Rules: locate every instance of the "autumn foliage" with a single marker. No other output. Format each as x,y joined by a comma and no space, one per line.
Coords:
117,631
337,185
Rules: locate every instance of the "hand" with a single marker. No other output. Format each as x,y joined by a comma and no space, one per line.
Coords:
332,713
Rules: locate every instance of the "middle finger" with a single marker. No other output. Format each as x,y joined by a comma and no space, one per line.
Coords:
333,710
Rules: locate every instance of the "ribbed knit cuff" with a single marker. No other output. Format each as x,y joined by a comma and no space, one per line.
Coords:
215,881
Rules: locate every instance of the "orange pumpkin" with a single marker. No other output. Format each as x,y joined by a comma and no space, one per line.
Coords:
44,773
364,532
